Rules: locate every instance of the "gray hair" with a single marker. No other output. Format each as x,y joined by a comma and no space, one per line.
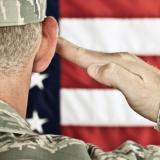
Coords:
17,44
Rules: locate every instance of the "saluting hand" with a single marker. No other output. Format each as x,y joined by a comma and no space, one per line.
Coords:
137,80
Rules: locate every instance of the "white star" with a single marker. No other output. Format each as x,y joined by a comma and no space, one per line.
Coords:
37,80
36,122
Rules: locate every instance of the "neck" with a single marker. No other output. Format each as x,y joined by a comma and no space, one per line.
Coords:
14,91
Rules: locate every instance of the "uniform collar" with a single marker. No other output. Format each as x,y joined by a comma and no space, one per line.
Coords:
12,122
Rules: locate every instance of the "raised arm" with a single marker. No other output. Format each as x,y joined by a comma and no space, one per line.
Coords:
137,80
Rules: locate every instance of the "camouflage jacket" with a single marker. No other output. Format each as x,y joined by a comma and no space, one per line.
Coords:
19,142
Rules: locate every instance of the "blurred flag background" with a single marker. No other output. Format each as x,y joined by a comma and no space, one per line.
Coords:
64,100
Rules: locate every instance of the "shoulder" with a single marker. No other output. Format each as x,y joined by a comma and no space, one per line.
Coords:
53,146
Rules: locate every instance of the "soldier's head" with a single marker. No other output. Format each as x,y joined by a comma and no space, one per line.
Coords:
27,37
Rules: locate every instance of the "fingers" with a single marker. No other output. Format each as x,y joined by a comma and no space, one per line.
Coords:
133,77
115,76
85,58
78,55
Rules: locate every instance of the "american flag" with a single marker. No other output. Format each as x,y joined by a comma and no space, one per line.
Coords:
64,100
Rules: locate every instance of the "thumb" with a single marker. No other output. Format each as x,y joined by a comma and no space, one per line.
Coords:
102,73
114,75
133,86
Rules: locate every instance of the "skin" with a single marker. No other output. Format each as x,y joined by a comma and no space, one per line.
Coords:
137,80
14,89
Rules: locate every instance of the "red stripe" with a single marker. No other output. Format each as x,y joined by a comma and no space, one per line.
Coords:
73,76
109,138
109,8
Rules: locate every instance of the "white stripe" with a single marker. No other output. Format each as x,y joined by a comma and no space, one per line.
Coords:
111,35
97,108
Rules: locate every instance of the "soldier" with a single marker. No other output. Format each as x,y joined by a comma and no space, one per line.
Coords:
27,42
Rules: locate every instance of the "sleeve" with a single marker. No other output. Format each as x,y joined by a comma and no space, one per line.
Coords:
72,152
158,122
127,151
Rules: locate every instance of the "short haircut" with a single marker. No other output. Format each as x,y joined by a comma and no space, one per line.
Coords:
17,43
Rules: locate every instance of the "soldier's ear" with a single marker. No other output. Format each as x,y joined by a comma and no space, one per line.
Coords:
48,45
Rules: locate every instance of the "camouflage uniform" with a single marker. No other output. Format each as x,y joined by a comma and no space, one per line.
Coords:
19,142
21,12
